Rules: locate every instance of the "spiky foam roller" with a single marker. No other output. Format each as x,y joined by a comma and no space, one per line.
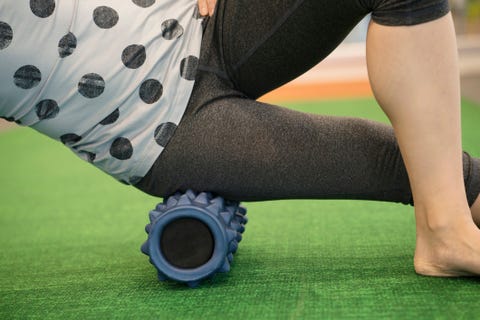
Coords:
193,236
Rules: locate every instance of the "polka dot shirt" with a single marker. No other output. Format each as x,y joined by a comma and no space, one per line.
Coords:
110,79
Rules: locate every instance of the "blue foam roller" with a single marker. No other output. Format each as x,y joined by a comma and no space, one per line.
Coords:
208,227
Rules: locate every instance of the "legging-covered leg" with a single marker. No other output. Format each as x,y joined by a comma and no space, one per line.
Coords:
250,151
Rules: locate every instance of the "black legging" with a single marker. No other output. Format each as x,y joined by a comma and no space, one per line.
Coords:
234,146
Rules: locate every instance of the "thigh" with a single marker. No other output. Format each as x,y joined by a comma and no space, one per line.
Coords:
248,151
270,42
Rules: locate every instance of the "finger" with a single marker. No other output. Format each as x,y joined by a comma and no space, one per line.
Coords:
203,7
211,6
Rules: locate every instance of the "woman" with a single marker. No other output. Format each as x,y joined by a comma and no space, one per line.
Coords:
156,116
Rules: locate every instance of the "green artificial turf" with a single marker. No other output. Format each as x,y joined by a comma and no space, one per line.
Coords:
70,238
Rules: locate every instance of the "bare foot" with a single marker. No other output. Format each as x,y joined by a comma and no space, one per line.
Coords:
453,251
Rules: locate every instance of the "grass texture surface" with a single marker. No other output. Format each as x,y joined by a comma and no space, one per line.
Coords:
70,238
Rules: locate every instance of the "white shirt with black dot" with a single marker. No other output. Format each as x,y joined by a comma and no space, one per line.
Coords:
110,79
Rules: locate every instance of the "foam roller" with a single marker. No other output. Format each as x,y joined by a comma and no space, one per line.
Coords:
193,236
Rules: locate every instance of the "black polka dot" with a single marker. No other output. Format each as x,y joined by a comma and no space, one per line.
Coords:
87,156
121,149
171,29
188,67
27,77
67,45
144,3
42,8
6,35
47,109
70,138
134,56
151,90
105,17
164,133
91,85
9,119
111,118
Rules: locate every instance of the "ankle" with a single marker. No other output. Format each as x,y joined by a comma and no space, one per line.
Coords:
438,219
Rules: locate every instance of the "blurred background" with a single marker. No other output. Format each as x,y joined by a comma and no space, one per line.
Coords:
467,16
343,74
467,23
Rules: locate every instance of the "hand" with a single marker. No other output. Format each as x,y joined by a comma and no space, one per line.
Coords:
206,7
